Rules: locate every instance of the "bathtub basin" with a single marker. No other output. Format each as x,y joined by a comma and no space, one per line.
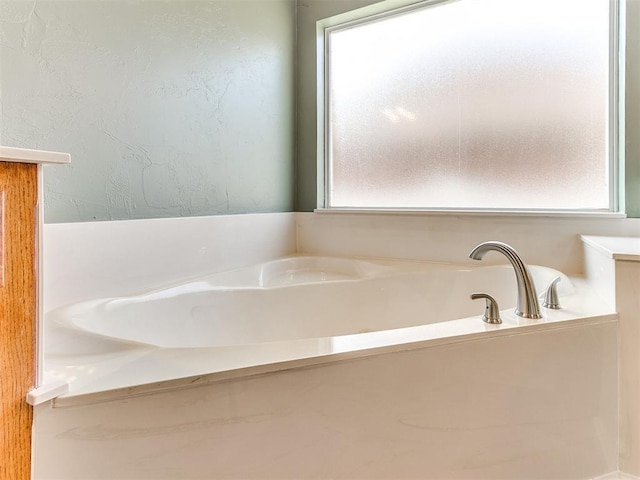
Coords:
297,298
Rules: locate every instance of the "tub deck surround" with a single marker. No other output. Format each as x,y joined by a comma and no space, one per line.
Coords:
88,346
139,371
538,405
612,265
616,248
550,241
458,399
123,256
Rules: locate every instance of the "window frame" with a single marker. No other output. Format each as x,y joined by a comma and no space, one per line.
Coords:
389,8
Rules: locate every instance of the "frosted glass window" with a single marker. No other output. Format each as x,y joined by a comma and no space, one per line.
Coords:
471,104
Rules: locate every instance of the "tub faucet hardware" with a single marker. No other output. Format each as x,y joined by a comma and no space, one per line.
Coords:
491,309
527,306
551,295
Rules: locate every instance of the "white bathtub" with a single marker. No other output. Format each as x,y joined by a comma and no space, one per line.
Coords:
297,298
311,367
281,314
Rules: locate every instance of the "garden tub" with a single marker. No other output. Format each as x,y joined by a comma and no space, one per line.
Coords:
285,313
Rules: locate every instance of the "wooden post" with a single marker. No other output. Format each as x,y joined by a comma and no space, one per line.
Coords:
18,314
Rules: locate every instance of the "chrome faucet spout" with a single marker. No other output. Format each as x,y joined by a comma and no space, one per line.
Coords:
527,306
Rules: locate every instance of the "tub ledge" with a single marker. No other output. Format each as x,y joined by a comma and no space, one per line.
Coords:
49,390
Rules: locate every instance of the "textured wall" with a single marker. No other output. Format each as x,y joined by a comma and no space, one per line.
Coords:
168,108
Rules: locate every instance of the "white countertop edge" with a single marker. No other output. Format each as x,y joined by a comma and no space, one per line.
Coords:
46,392
482,332
617,248
24,155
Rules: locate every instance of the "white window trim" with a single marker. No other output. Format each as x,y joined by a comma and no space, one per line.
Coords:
392,7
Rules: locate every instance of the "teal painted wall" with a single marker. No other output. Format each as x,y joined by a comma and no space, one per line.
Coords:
173,108
186,108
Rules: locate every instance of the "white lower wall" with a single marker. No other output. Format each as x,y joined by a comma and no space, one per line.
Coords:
538,405
549,241
628,305
94,259
97,259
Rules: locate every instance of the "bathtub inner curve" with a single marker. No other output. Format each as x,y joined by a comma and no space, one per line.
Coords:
296,298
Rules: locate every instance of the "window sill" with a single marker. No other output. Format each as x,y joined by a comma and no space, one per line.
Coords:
474,213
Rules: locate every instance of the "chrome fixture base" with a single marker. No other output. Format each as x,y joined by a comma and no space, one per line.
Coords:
491,309
551,295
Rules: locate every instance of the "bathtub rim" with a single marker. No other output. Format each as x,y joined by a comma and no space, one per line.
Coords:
509,328
583,307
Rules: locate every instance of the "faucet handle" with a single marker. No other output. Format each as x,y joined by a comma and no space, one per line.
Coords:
491,309
551,295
